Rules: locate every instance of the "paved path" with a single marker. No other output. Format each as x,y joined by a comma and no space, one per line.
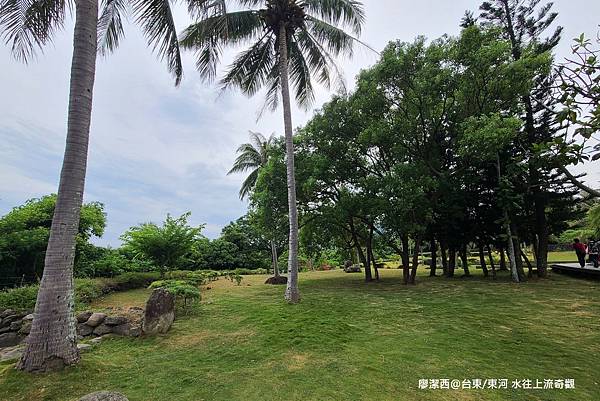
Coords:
576,268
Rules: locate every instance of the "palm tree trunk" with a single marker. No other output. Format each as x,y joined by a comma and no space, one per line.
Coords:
292,293
52,342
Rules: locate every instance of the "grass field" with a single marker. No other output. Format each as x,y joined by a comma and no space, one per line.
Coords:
347,340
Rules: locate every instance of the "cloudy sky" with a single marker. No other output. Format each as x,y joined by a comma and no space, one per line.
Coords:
156,149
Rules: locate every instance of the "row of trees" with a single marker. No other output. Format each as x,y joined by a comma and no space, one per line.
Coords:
454,144
172,245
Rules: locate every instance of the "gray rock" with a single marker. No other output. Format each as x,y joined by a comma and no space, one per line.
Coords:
159,313
16,325
6,321
104,396
4,329
84,347
102,329
11,353
9,339
6,313
96,319
28,318
26,327
83,316
96,340
122,329
115,320
84,330
135,331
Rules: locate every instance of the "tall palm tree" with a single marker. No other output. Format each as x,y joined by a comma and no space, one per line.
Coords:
27,26
289,40
253,156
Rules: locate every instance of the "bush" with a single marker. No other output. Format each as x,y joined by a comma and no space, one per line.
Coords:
19,298
182,290
86,290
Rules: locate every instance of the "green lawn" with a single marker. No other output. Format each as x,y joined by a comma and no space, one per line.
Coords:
347,340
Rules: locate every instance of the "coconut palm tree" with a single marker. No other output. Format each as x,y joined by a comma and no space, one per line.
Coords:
289,40
253,156
27,26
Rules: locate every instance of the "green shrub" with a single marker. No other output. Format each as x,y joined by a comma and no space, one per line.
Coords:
19,298
86,290
183,291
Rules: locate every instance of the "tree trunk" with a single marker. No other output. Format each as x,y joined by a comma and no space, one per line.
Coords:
451,261
482,260
275,259
518,252
375,269
492,264
503,259
465,261
415,261
541,255
292,293
52,342
366,262
444,258
507,223
529,265
433,264
405,259
368,275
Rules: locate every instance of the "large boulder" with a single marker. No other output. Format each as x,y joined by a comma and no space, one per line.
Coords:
84,316
159,313
115,320
96,319
84,330
277,280
104,396
122,329
102,330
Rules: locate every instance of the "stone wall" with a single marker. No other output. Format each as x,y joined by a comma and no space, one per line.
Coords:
15,326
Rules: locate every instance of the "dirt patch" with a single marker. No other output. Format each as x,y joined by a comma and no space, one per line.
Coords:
196,338
296,361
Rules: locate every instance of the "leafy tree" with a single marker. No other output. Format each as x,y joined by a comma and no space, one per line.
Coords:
523,23
579,94
167,246
291,40
24,234
25,27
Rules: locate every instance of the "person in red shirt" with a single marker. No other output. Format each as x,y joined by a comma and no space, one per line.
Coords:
580,250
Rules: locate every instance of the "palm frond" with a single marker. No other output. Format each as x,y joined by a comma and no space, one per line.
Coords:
27,25
156,18
248,184
300,76
209,35
250,70
110,25
348,13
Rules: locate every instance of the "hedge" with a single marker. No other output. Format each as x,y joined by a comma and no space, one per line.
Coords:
86,290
